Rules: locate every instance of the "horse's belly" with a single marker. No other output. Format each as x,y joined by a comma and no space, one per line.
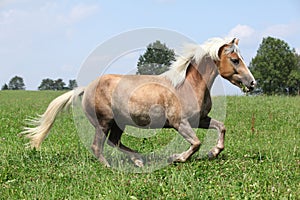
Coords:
153,117
148,104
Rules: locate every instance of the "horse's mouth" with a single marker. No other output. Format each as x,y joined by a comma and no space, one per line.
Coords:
244,88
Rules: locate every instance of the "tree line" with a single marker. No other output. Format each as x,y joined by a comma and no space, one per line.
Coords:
17,83
276,67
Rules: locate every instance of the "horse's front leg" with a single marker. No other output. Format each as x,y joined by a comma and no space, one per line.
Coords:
209,123
188,133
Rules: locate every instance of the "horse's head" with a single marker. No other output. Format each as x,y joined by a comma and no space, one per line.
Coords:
233,68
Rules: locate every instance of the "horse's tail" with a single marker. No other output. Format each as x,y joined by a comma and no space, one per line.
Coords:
44,122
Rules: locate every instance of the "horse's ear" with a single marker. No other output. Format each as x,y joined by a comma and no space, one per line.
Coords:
235,41
220,51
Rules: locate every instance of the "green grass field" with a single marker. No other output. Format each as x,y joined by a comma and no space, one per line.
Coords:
261,159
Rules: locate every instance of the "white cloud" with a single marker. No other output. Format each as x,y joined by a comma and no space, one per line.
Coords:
10,16
46,14
35,35
44,19
78,13
6,2
251,38
250,34
281,30
242,31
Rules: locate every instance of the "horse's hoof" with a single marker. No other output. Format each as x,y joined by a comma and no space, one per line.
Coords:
170,160
173,158
211,155
107,165
138,163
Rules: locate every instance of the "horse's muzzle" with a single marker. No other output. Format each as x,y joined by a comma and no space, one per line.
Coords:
252,85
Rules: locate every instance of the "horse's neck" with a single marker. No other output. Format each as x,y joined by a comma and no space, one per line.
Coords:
203,73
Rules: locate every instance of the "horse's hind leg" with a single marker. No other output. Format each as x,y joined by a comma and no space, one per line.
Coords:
115,141
98,144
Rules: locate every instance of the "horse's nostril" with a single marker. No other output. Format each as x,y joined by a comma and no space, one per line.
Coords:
253,84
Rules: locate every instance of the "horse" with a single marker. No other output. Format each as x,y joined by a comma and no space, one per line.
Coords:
178,98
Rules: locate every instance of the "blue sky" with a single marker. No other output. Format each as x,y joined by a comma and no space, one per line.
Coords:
51,39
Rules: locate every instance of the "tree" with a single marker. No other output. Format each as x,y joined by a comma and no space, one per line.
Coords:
16,83
276,67
59,84
4,87
156,60
294,78
47,84
72,84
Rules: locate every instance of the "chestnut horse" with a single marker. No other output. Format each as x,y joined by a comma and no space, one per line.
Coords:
178,99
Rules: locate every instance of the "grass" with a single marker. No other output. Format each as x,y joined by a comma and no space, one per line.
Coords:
261,159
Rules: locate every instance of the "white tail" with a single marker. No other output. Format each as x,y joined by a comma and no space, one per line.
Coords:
44,122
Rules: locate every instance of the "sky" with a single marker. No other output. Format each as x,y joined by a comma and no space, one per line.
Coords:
52,39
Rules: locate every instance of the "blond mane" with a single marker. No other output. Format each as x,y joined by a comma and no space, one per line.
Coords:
193,52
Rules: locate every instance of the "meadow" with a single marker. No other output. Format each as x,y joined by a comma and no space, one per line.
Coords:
261,159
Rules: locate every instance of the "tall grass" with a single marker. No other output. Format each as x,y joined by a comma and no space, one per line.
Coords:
261,159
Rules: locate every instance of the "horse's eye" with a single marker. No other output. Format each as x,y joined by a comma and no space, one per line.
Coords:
235,61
